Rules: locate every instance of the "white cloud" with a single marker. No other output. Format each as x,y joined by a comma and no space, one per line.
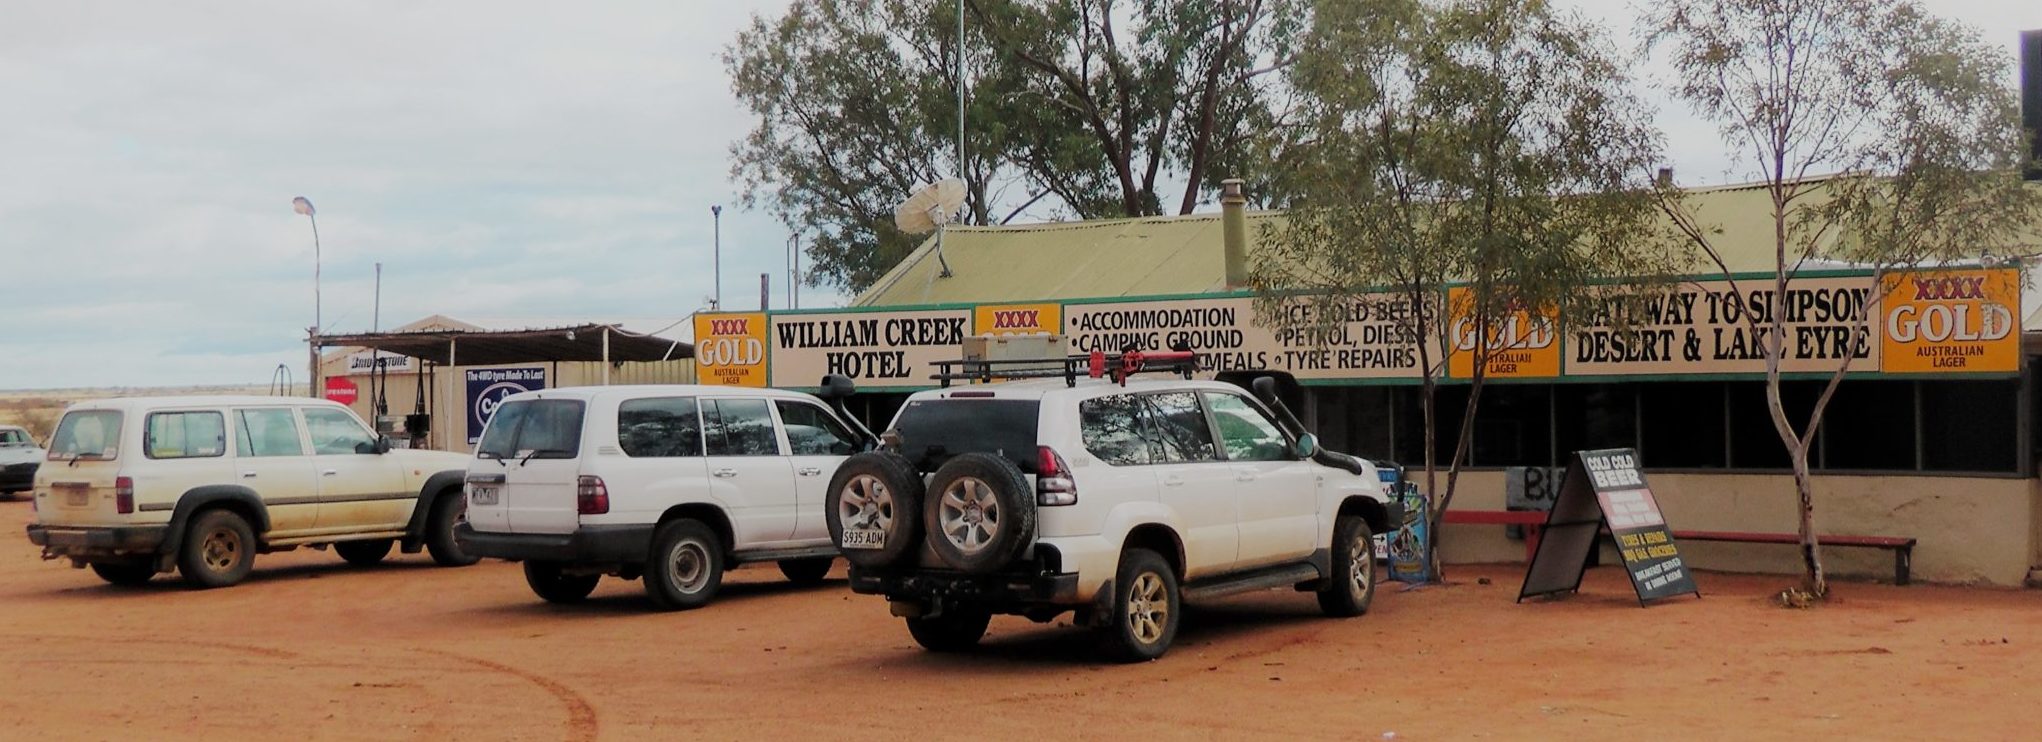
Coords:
498,158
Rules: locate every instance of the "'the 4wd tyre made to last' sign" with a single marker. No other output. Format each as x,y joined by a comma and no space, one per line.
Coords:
487,388
1943,321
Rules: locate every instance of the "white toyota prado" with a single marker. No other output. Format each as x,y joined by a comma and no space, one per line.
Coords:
671,483
1114,497
142,485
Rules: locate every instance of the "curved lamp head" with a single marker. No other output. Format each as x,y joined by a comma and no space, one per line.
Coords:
302,205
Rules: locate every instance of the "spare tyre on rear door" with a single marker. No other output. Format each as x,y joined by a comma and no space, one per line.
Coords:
874,508
980,512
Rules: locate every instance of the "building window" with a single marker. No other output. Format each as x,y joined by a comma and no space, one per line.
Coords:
1970,426
1681,425
1869,426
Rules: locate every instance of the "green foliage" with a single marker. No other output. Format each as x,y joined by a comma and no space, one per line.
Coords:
1077,108
1491,142
1488,141
1909,112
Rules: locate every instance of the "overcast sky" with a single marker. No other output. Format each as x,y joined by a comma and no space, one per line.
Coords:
499,158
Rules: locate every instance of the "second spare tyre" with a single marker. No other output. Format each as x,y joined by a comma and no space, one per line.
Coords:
874,508
980,512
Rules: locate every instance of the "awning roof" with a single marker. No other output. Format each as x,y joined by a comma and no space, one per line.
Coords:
472,348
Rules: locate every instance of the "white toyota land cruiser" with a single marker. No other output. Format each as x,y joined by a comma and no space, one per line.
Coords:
1114,500
672,483
137,486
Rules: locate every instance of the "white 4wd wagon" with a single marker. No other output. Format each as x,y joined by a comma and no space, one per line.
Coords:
1114,500
142,485
672,483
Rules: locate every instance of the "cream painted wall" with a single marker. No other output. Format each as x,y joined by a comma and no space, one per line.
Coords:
1970,530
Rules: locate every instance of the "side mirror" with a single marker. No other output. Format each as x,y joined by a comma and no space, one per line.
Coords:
379,447
1306,446
837,386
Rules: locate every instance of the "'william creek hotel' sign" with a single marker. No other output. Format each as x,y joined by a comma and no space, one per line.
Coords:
1959,321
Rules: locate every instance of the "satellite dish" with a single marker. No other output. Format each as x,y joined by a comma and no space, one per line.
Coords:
931,206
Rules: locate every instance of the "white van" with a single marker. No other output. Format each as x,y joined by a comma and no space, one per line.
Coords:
672,483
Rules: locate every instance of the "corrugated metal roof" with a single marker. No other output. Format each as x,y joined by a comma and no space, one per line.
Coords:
1184,254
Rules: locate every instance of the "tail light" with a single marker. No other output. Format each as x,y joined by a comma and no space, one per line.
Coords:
1053,483
124,495
591,497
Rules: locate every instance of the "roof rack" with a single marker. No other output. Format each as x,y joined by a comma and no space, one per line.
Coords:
1095,365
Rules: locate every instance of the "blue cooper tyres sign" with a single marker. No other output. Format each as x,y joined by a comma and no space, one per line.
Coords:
488,386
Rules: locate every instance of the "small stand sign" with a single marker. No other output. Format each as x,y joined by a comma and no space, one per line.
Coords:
1605,488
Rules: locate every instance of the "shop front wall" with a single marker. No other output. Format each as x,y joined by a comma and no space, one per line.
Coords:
1970,529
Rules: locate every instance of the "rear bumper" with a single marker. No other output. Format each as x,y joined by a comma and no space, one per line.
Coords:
1002,593
588,544
103,541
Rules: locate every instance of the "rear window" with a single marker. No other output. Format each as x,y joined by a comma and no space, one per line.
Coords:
659,427
933,430
87,434
185,435
536,428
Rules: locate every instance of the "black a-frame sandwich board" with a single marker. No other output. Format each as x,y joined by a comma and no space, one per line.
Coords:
1606,488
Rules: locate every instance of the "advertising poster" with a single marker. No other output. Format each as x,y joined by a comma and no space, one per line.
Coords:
730,349
1367,340
487,388
1605,489
1706,328
1016,319
1957,321
874,349
1526,345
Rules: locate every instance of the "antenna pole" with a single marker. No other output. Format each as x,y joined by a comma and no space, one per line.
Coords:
962,169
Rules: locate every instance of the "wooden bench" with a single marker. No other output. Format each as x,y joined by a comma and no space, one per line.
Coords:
1902,548
1534,521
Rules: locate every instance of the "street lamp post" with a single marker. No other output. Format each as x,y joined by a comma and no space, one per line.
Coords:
716,213
303,205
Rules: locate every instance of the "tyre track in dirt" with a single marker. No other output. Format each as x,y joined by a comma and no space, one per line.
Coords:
581,716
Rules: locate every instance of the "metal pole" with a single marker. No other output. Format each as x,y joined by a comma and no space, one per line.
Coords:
376,314
606,356
716,214
961,169
794,275
765,291
318,385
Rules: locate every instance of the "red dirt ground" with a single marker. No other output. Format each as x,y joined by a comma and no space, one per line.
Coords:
311,648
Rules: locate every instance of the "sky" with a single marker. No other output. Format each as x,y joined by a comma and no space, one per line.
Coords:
500,159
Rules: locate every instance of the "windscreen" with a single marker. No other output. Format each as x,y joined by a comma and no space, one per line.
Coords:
933,430
87,434
538,428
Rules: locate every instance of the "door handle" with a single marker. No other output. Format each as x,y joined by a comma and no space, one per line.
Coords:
248,475
1244,476
725,473
811,472
1173,481
329,472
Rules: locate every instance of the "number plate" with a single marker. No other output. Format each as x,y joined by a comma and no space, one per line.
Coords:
863,538
482,495
77,498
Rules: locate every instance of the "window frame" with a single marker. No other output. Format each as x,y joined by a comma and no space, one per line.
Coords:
1219,436
297,428
148,433
787,440
779,437
305,417
1143,420
701,426
1219,453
